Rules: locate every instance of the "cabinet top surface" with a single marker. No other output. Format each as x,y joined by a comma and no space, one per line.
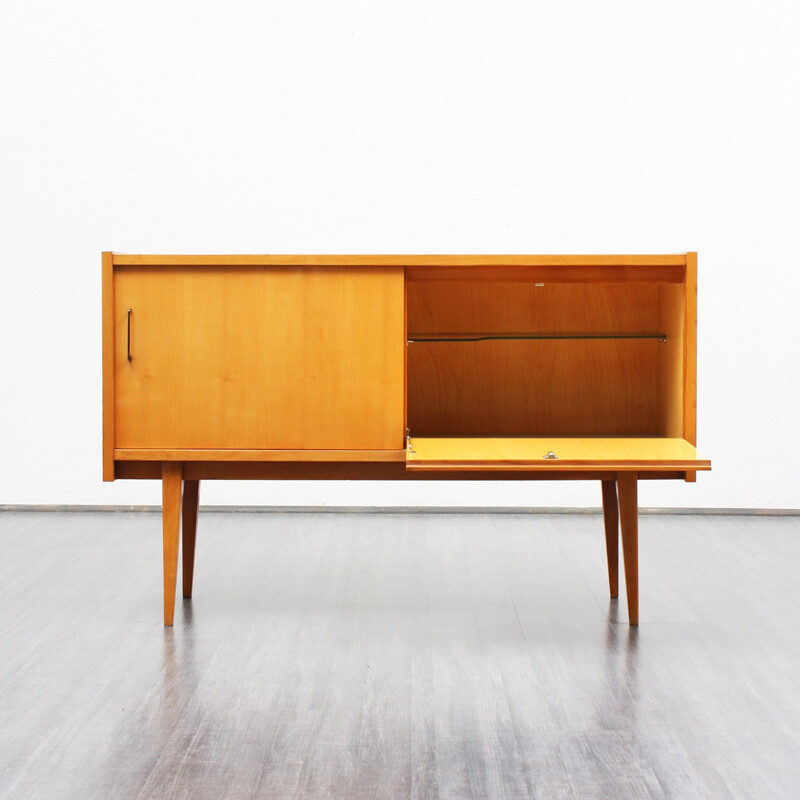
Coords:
435,260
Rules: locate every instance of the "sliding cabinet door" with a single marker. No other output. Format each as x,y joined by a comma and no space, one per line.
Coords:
259,357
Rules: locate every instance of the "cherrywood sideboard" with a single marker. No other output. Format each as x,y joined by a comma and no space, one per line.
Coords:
399,367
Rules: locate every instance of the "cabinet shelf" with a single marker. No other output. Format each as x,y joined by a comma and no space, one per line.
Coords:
491,337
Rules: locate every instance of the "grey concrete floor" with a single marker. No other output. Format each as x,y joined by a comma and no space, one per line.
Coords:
389,655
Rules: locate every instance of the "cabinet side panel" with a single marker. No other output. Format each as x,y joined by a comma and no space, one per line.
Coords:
690,356
405,353
577,386
108,365
260,358
690,352
671,372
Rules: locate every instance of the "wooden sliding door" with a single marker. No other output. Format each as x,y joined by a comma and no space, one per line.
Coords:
259,357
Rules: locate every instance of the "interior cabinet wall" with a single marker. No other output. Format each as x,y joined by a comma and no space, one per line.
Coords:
566,386
671,361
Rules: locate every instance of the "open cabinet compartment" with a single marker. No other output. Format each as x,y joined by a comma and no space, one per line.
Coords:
496,370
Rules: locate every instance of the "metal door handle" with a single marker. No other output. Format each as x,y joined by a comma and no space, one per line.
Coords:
130,358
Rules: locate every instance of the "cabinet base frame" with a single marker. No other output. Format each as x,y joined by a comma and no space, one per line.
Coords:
181,491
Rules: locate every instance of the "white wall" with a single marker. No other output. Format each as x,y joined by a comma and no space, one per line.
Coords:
504,127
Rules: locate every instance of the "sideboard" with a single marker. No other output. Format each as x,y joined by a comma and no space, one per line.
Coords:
399,367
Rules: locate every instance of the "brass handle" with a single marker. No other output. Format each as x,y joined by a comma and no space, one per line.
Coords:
130,358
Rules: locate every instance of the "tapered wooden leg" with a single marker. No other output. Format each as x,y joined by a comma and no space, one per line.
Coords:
171,480
611,519
191,494
629,517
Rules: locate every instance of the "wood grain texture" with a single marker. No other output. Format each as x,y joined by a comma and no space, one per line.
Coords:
519,387
231,454
690,356
467,307
171,485
191,499
400,260
108,365
578,453
562,273
671,321
303,362
629,519
365,471
690,351
611,523
600,387
244,358
405,354
530,388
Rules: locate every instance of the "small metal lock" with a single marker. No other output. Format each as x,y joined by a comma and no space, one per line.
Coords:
550,454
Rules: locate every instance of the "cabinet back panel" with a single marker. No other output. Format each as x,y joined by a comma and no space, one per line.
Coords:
526,307
259,358
516,388
549,387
